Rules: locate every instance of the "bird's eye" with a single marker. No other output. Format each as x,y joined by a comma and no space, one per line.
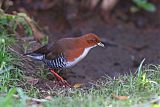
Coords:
92,41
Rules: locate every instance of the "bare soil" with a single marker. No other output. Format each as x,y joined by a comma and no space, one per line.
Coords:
137,36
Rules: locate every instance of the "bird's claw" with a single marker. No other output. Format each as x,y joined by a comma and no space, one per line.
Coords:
64,83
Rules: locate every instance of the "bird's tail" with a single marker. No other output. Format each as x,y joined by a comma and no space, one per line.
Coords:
35,56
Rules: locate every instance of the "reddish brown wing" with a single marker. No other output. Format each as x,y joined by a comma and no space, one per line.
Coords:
66,46
69,47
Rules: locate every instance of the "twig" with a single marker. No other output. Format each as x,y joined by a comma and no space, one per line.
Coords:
32,99
21,55
15,51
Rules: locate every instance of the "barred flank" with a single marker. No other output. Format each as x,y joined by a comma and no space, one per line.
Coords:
59,62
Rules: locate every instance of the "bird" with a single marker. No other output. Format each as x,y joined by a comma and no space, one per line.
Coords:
65,52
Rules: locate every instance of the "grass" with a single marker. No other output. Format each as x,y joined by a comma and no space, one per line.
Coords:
10,75
144,4
138,88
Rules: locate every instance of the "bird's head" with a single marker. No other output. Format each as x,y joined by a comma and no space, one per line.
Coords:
92,40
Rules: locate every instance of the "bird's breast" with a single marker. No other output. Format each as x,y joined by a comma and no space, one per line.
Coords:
76,58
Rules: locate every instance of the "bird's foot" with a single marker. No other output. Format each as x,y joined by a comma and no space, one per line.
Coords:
64,83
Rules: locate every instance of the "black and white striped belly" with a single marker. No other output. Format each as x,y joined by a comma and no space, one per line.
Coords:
59,62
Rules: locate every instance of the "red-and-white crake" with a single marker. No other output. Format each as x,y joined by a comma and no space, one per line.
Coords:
65,52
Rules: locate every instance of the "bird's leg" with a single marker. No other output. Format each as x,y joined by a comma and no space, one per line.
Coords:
58,76
64,82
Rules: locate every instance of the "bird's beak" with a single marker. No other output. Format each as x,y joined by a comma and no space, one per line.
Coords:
100,44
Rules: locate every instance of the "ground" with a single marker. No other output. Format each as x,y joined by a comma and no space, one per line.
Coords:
137,36
25,82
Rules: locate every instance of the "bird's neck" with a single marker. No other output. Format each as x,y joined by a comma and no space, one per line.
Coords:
81,43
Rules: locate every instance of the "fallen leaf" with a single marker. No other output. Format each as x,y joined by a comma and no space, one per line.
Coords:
48,98
77,85
120,97
155,105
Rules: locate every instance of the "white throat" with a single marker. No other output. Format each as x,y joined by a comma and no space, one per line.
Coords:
85,52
